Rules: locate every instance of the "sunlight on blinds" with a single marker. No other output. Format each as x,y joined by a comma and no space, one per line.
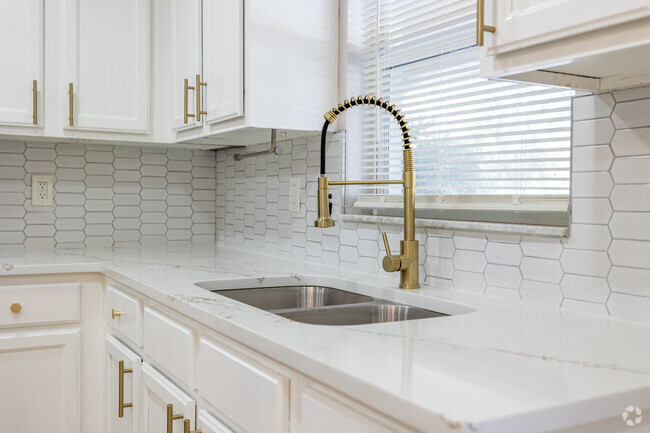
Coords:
472,136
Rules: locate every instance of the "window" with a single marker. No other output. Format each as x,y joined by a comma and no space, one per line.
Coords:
484,149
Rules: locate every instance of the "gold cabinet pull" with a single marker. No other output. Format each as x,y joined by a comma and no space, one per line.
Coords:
199,83
171,418
186,90
15,308
70,102
480,27
116,313
186,427
120,391
34,103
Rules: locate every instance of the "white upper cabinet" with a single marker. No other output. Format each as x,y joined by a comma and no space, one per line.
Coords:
186,43
21,31
204,73
223,59
523,23
106,62
207,53
584,44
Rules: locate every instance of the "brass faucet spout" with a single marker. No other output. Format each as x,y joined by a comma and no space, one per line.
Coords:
407,262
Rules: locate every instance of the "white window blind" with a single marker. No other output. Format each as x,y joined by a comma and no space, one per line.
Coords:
472,137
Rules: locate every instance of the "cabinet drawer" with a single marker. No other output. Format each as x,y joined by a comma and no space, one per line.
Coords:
170,344
129,321
239,386
40,303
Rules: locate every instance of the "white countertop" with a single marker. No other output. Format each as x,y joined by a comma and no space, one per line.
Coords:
507,366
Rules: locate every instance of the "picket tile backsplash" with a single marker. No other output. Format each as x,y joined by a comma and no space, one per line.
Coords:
106,196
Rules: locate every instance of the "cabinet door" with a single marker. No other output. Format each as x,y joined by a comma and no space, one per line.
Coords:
40,381
158,392
524,23
238,386
210,424
322,414
21,51
185,60
223,59
126,420
106,48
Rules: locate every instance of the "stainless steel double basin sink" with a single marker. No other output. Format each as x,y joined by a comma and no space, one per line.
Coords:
323,305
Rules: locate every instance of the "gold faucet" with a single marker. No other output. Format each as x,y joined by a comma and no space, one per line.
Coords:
407,262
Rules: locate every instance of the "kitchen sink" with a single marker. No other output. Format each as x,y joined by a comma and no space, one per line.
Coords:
292,297
319,305
360,314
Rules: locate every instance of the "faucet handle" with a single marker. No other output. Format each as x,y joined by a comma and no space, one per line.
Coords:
390,263
383,235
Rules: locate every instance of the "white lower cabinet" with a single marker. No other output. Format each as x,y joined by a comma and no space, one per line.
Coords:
587,45
209,424
187,372
40,381
123,384
321,413
245,391
165,406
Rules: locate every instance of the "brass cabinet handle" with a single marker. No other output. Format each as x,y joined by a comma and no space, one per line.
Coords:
171,418
15,308
480,27
70,102
120,391
186,427
116,313
34,103
198,85
186,89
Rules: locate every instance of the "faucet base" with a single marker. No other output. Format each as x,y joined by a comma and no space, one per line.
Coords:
410,277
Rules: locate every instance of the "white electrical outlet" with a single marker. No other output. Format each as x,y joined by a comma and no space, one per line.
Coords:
294,194
42,190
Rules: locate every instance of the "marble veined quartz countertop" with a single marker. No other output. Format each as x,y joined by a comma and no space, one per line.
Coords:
497,366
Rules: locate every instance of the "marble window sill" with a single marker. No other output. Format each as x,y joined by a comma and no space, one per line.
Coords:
475,226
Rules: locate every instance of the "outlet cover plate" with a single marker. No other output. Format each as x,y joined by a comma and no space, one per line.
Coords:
42,189
294,194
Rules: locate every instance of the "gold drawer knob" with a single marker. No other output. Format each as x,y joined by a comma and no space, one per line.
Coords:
15,308
115,313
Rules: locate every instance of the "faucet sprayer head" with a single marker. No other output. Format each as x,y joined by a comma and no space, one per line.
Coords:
324,204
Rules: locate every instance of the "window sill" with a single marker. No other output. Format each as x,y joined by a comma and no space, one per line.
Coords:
475,226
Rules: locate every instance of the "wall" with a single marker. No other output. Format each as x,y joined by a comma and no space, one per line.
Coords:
106,196
603,267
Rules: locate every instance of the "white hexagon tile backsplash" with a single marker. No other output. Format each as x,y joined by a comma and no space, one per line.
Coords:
603,267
